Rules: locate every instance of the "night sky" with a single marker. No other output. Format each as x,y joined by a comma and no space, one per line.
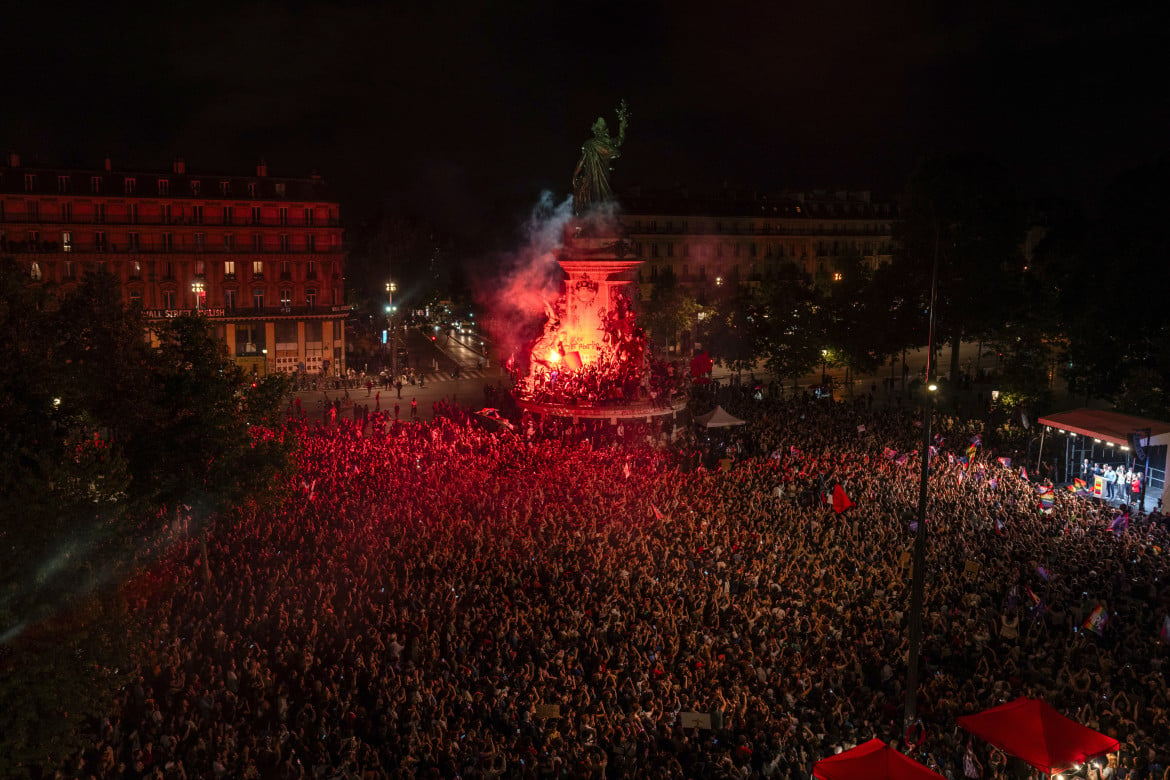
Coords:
463,112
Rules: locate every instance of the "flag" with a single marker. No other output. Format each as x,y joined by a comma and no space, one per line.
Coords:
938,439
971,452
1047,498
861,429
889,454
1042,572
1072,489
902,459
1097,620
1120,524
977,440
951,458
657,513
841,501
1005,462
933,452
626,469
1023,473
962,475
993,483
998,526
1079,484
792,450
1164,634
1032,595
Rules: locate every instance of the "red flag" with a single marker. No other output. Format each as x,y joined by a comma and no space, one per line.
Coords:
841,501
701,365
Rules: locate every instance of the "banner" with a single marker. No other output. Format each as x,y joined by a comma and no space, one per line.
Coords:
1098,485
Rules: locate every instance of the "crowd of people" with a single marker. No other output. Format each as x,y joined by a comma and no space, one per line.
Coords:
443,600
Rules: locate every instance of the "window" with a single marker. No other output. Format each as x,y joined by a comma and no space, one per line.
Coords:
136,299
285,269
99,241
258,299
132,213
336,296
255,215
308,216
228,241
257,242
34,240
195,187
167,242
197,215
67,270
129,184
284,242
251,189
280,189
283,213
95,184
229,300
63,184
285,299
200,268
165,213
34,270
311,242
311,270
99,212
33,209
168,269
310,298
670,250
136,270
132,242
258,269
164,186
199,238
30,182
229,269
66,241
168,299
225,188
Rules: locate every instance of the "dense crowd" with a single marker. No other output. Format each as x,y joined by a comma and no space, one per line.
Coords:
441,600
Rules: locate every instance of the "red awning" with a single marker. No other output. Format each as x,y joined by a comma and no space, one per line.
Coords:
873,760
1031,730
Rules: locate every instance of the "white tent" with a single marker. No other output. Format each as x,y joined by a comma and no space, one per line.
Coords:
718,418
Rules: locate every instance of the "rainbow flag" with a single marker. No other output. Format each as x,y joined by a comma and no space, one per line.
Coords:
1047,498
971,452
1005,462
1097,620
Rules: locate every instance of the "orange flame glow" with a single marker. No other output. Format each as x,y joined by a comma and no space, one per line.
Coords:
554,356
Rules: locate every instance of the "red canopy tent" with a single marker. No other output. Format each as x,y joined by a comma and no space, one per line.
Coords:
1030,729
873,760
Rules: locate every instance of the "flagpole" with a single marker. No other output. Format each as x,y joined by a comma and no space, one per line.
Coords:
918,573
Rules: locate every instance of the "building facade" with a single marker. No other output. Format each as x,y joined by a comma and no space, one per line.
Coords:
708,242
260,256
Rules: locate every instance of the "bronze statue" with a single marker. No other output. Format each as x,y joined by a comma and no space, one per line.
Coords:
591,179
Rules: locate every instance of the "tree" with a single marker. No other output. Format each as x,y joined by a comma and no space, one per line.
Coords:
734,329
669,312
1101,266
107,437
794,329
960,209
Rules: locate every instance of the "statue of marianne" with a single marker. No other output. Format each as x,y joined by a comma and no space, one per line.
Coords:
591,179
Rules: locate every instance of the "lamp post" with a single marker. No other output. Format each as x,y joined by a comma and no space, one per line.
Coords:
918,573
392,288
198,289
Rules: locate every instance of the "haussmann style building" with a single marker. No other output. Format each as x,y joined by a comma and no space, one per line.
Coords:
260,256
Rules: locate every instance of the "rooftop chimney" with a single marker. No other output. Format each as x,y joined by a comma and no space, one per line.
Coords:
13,160
109,163
262,168
180,166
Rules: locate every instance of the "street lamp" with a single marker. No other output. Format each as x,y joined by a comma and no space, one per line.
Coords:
198,289
392,288
824,364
